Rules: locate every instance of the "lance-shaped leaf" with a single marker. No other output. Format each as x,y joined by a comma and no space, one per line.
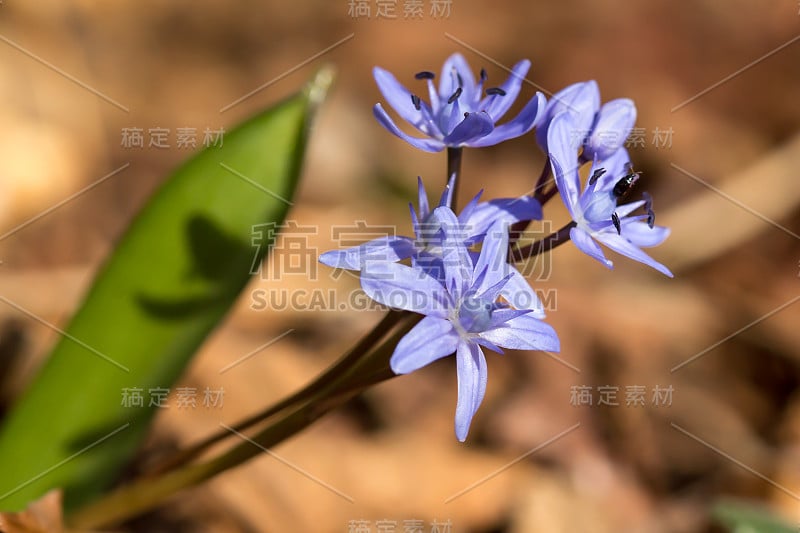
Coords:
173,276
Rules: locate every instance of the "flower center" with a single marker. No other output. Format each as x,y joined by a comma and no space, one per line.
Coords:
475,314
600,206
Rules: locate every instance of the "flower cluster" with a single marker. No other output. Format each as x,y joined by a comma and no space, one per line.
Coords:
456,270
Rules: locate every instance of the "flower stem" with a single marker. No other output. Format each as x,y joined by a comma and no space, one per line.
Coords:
339,368
454,169
539,191
144,494
543,245
516,229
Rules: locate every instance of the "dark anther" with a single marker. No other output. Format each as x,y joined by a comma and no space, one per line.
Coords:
596,175
454,96
415,101
466,114
460,80
625,184
648,207
615,221
425,75
484,75
495,90
648,201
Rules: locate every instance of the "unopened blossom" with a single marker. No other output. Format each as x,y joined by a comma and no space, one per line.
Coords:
464,312
461,111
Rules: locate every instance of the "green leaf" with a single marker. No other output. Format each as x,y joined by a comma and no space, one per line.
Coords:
744,517
173,276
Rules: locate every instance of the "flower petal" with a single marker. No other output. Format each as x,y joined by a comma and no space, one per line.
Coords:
530,115
582,100
642,235
506,209
422,202
524,333
615,166
472,377
612,127
499,104
402,287
485,343
429,263
428,145
622,246
450,117
597,205
626,209
382,249
453,67
436,102
431,339
474,126
491,265
466,214
491,293
399,98
520,295
564,160
446,200
455,256
586,244
501,316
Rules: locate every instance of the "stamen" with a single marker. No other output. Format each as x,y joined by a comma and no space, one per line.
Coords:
596,175
648,201
615,221
466,114
648,207
454,96
415,100
484,75
425,75
460,80
495,90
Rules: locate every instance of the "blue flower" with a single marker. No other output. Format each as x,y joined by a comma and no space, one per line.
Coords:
463,312
595,212
458,113
602,130
426,248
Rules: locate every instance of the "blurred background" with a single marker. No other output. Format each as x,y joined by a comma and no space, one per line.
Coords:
668,395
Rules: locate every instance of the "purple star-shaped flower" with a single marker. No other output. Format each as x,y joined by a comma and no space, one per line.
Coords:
595,211
458,114
463,313
426,248
602,129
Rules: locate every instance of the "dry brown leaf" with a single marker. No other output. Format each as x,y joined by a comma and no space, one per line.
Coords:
42,516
